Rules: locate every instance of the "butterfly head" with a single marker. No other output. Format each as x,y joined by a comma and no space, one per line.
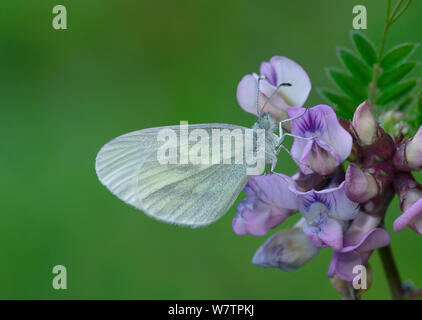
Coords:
266,122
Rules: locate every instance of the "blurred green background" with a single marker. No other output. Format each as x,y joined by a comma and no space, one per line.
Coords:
125,65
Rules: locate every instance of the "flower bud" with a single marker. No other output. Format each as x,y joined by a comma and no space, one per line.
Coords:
365,124
408,190
408,156
410,196
287,250
414,150
360,186
369,134
365,184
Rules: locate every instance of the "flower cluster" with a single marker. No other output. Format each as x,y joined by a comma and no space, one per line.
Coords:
340,209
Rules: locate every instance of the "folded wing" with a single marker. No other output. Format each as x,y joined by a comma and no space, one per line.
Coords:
185,194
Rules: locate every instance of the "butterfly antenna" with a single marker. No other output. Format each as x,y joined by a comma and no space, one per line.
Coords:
283,84
282,134
260,78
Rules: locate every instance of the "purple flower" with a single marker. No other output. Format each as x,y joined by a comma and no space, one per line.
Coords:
325,213
268,203
410,195
287,250
414,150
331,143
408,156
365,124
369,134
359,241
412,217
360,186
277,71
272,198
365,184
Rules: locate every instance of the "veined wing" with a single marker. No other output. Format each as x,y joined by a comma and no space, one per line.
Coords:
184,194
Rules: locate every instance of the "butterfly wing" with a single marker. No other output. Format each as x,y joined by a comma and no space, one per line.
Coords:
184,194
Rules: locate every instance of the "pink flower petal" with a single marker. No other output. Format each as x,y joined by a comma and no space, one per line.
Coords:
288,71
270,201
411,213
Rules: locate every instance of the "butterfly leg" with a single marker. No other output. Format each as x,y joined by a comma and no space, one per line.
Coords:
297,137
280,126
281,146
295,117
273,164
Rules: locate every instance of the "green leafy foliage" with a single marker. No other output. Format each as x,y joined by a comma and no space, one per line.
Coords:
389,78
419,112
348,85
396,55
357,68
393,90
365,76
348,106
365,47
396,93
408,101
415,111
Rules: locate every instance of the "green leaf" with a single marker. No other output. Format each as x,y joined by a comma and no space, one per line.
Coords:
389,78
365,47
396,93
397,54
419,105
417,119
342,113
343,105
408,101
348,85
357,68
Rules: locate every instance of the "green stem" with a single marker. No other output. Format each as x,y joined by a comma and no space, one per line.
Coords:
391,273
386,254
391,17
396,15
377,67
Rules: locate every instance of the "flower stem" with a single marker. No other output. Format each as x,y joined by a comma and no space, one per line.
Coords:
386,254
392,273
391,17
377,67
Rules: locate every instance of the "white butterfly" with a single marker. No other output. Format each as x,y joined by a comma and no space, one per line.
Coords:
184,194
